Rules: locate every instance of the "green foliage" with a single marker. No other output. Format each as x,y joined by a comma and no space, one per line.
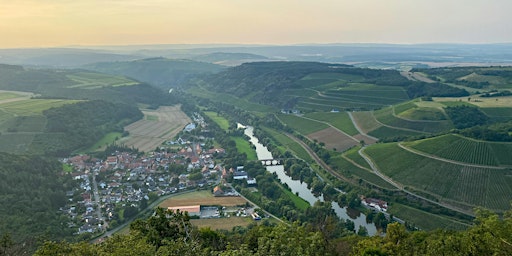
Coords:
82,124
434,90
32,189
464,116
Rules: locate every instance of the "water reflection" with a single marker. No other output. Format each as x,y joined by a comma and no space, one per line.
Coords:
302,190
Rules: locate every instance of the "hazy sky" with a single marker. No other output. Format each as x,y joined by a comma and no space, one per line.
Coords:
42,23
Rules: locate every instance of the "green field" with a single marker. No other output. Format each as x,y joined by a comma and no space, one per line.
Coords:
289,144
301,125
32,106
424,220
339,120
90,80
244,146
9,95
105,141
222,122
462,149
490,188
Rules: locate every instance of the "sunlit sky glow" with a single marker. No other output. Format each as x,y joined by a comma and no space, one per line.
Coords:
49,23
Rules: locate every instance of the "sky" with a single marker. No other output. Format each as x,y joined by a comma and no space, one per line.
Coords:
53,23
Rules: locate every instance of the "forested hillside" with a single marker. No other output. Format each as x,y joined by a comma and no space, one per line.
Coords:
160,72
32,188
80,125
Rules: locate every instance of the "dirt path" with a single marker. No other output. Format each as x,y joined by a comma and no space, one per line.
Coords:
359,128
402,187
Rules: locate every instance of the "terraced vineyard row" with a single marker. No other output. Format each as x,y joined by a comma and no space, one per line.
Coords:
485,187
466,150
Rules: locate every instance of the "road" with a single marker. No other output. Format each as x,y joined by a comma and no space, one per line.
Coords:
97,200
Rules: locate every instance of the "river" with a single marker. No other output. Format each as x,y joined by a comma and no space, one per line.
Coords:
301,188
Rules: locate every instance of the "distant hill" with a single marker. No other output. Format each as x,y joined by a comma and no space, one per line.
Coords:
161,72
79,85
60,57
229,58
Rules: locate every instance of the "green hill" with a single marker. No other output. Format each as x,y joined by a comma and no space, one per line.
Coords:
160,72
313,86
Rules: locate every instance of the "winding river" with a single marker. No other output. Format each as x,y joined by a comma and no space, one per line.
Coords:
301,188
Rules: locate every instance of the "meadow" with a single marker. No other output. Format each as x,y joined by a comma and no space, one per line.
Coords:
219,120
244,146
91,80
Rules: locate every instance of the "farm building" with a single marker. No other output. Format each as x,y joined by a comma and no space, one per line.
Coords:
193,210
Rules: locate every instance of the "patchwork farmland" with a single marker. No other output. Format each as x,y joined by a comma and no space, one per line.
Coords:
163,124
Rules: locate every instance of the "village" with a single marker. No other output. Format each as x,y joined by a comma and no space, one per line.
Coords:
112,190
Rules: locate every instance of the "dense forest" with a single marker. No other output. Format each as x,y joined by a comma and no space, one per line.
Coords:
32,188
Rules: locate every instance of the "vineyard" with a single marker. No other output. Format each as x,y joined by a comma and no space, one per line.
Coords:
353,96
458,148
490,188
347,169
302,125
339,120
366,121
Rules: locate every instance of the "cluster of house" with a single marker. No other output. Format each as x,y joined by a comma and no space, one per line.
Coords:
375,204
125,179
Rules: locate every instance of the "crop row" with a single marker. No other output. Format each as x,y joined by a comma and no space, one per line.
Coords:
466,150
476,186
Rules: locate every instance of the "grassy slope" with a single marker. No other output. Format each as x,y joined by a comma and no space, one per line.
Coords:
219,120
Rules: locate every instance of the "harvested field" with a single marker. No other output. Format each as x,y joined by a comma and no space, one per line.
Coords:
149,133
202,198
333,139
222,223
